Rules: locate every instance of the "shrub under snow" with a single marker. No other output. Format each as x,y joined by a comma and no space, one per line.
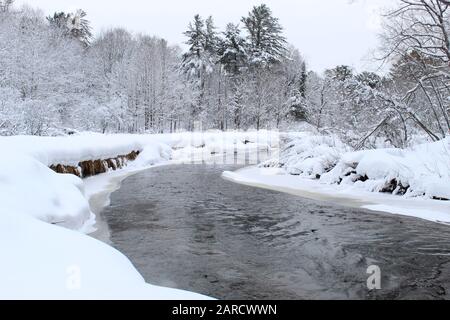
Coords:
421,171
307,155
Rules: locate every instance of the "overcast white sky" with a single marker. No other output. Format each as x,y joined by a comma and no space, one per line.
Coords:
327,32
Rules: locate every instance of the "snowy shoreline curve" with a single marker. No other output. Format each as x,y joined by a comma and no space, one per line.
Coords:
413,182
45,216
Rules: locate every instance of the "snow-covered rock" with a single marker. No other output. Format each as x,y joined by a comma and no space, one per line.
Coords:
308,155
420,171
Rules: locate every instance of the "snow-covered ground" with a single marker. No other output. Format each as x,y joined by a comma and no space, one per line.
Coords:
44,216
324,168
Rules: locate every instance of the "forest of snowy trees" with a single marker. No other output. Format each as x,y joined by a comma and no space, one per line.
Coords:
57,78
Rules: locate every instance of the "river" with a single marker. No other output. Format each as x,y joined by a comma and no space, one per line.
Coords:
185,227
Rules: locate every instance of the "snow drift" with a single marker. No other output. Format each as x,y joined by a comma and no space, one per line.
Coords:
421,171
308,155
41,257
43,261
27,187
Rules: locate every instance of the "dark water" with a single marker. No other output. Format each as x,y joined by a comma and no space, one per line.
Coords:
185,227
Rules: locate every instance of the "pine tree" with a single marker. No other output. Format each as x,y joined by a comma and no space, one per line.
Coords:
200,60
298,108
195,59
233,55
237,103
73,24
303,80
341,73
265,36
369,79
211,38
5,5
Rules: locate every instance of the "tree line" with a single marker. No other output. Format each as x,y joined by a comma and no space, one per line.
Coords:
55,77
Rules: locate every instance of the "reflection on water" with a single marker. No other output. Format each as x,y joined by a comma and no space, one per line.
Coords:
185,227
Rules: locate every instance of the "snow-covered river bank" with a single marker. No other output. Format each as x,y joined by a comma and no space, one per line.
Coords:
44,216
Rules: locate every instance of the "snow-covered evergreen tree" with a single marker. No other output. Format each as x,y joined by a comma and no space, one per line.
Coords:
74,24
267,45
198,61
233,50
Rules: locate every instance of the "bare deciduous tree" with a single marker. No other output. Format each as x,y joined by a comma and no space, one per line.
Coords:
416,39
